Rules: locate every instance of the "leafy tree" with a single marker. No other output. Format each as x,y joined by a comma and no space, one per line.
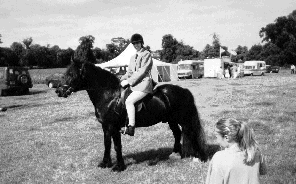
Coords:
113,50
18,49
98,55
208,52
254,52
120,42
8,57
216,45
40,56
168,53
84,50
185,52
241,52
174,51
213,51
52,54
269,51
282,34
101,55
27,42
64,57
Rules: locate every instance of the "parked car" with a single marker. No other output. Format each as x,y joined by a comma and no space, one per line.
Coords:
14,79
273,69
54,80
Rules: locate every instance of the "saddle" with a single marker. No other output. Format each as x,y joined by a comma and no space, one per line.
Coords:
120,103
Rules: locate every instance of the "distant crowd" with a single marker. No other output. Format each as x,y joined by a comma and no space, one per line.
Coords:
230,71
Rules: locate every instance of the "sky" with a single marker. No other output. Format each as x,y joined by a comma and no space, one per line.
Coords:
63,22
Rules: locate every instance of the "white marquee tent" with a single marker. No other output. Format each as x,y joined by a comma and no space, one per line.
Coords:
161,71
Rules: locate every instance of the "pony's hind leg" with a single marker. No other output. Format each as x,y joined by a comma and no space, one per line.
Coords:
119,166
177,134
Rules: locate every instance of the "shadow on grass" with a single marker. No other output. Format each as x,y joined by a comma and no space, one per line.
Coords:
23,106
264,104
32,92
35,92
154,156
30,105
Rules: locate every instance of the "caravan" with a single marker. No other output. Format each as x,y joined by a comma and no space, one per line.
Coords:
190,69
213,66
254,67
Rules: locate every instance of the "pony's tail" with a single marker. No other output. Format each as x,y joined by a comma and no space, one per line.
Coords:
194,132
198,137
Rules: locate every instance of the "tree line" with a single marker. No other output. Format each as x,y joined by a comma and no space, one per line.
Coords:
278,47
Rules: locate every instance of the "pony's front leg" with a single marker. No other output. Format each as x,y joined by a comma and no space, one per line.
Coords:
119,166
106,162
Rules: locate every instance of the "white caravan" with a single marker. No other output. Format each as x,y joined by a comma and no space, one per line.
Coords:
192,69
254,67
213,66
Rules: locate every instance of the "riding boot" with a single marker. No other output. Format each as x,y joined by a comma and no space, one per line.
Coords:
129,130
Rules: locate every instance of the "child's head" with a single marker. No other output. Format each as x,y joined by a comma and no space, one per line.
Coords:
239,132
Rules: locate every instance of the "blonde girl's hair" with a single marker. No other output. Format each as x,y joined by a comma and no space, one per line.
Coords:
241,133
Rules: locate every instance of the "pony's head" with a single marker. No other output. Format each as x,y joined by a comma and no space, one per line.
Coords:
74,79
86,76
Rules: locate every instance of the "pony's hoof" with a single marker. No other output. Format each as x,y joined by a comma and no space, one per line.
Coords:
175,155
105,164
118,168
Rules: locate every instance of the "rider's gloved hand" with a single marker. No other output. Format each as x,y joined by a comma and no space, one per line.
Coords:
124,83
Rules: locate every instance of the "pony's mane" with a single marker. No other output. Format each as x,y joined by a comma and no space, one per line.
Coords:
103,77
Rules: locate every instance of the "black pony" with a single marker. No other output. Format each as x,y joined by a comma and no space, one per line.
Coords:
169,104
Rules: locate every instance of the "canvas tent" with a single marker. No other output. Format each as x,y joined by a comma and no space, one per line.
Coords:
161,71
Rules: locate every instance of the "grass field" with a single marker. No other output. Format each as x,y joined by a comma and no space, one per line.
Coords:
46,139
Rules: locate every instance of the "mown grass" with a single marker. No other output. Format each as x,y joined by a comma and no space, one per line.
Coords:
46,139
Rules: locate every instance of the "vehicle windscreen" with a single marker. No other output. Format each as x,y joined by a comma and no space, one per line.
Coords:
184,67
249,67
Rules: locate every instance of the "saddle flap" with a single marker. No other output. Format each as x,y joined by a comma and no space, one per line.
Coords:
138,105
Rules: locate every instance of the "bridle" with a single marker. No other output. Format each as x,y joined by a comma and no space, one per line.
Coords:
80,79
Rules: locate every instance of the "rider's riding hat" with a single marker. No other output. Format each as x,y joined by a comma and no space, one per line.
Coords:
136,38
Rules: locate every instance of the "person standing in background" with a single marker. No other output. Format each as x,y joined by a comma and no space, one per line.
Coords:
292,69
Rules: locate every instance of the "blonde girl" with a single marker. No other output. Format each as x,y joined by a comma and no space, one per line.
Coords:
241,161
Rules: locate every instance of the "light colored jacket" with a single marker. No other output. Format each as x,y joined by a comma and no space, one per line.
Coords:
138,74
228,167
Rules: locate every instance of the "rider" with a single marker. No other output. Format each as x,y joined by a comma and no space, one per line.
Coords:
139,78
